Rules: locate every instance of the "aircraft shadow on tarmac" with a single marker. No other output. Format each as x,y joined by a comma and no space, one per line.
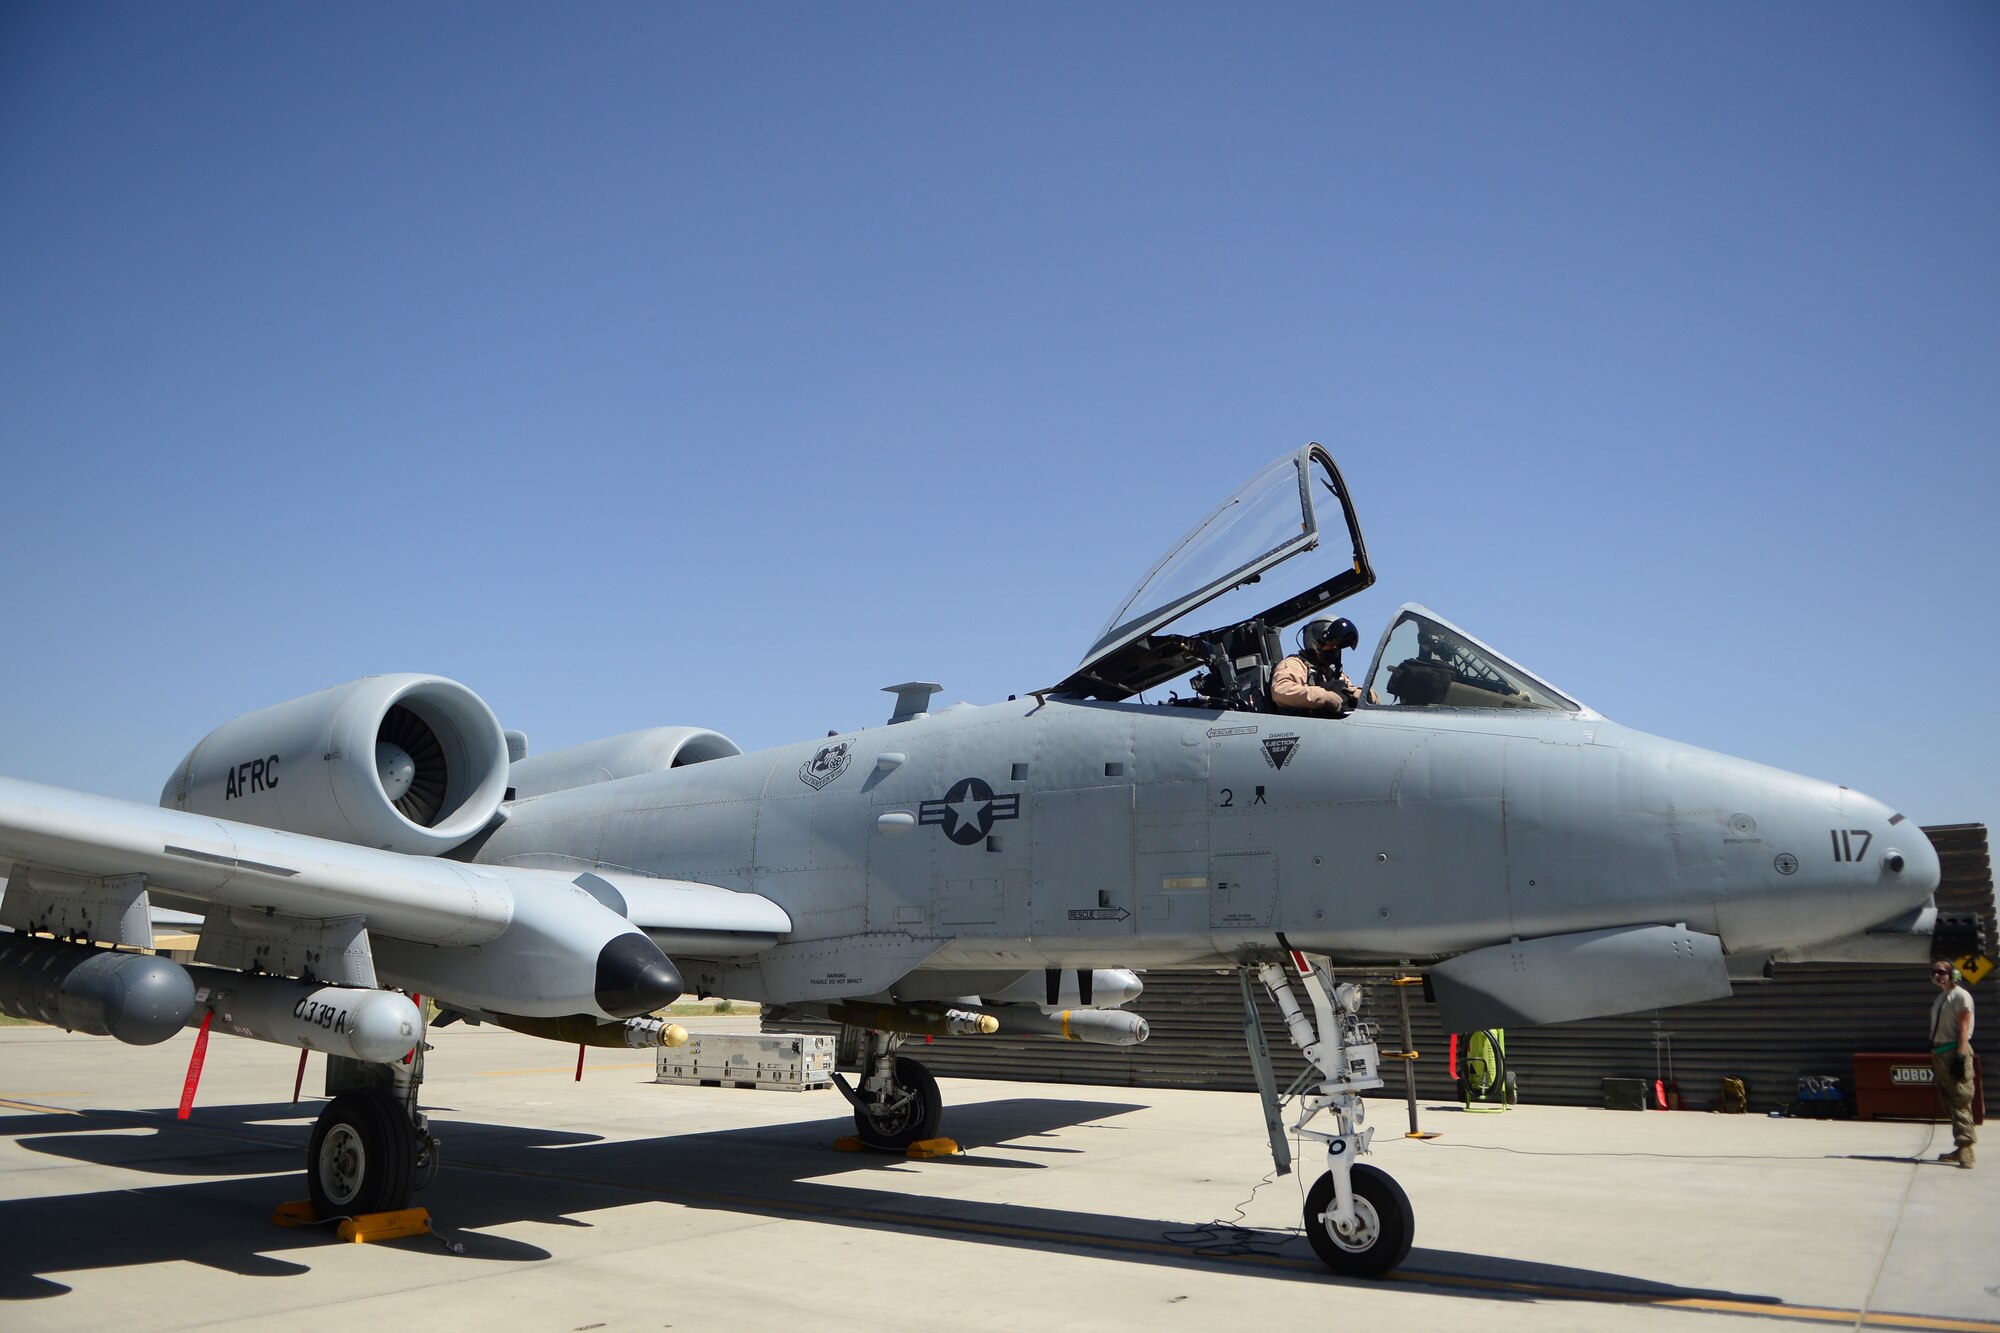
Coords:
496,1176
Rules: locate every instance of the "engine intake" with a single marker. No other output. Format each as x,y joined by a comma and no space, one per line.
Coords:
410,763
654,750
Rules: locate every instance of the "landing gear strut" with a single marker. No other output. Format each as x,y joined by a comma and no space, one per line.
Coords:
898,1102
1358,1220
370,1147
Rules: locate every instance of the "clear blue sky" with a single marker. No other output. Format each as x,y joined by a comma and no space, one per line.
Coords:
688,363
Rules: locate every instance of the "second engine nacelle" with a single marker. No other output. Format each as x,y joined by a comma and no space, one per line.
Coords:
413,764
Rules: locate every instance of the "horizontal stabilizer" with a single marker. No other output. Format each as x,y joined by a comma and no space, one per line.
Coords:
1562,978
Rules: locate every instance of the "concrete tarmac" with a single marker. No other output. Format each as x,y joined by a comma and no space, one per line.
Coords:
617,1203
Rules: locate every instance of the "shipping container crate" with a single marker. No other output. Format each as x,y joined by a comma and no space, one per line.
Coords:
1624,1094
779,1061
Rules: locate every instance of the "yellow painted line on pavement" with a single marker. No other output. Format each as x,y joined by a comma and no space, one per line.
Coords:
1093,1241
1414,1277
1708,1304
44,1110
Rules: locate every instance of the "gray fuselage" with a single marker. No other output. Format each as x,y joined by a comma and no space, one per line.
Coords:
1075,834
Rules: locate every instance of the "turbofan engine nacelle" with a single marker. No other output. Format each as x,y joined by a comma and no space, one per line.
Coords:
409,763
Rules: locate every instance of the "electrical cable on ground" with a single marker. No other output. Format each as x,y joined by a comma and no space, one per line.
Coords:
1902,1206
1233,1236
455,1246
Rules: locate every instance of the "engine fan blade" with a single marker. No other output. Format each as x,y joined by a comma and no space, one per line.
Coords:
424,800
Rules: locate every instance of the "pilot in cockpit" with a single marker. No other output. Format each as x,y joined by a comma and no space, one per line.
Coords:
1311,680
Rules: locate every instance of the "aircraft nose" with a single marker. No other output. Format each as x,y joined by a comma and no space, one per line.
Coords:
1824,862
634,977
1893,856
1912,857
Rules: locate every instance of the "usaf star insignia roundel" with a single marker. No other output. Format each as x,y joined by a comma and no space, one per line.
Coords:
968,811
827,763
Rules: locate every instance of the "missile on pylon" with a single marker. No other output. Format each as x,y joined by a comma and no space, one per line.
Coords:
578,1030
1099,1027
140,999
376,1026
916,1020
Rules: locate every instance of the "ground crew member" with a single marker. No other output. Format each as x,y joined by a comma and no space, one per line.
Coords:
1951,1059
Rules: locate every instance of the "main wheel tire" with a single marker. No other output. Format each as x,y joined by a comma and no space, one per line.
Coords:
1385,1224
915,1121
362,1156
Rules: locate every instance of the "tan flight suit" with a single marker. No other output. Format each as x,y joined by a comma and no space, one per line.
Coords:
1294,690
1956,1093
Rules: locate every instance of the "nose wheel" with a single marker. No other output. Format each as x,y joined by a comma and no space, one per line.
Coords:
1379,1237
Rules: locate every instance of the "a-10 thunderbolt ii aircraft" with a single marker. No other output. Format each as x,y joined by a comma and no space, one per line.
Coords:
387,838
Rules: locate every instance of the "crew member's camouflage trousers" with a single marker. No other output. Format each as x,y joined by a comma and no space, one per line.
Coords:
1957,1097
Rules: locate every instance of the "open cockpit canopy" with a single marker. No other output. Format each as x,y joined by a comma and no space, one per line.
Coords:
1426,662
1218,570
1283,511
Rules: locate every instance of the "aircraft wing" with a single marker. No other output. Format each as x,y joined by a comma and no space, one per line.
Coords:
508,939
59,836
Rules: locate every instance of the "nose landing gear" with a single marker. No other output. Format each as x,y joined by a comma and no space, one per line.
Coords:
1358,1220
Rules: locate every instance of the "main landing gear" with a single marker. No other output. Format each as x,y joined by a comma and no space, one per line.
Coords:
1357,1219
898,1102
370,1147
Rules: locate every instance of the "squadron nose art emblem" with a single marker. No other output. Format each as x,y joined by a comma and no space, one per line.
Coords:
827,763
969,810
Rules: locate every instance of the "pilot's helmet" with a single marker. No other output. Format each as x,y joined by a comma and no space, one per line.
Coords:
1323,638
